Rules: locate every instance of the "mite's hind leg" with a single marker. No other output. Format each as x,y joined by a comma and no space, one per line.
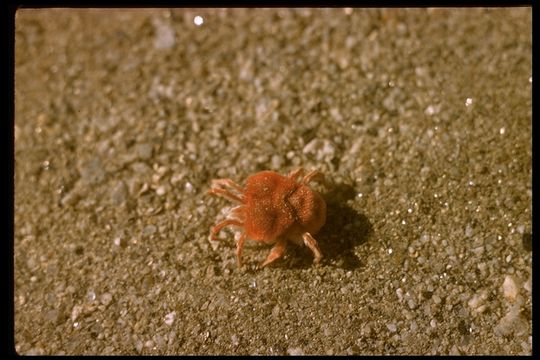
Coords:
311,243
239,247
277,251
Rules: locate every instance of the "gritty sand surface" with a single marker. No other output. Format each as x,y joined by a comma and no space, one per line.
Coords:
420,119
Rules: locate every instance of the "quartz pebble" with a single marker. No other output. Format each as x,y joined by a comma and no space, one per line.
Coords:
528,285
476,302
169,318
510,287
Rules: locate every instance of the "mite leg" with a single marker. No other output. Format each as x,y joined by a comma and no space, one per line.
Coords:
314,175
238,213
221,225
277,251
295,173
227,183
239,247
226,194
311,243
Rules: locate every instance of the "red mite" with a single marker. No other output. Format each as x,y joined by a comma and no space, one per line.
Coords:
274,209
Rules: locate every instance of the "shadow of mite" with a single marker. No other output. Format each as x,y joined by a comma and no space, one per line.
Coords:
345,229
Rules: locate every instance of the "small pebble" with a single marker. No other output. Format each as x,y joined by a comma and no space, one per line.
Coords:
119,193
468,231
295,351
477,300
92,172
139,345
528,285
510,287
189,187
169,318
164,35
512,322
323,149
106,299
71,198
454,350
52,316
144,151
149,230
276,161
526,241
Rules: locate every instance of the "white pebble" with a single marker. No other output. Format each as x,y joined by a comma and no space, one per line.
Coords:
432,110
295,351
75,311
323,149
528,285
510,287
476,302
189,187
106,299
165,37
336,115
169,318
512,322
276,162
468,231
198,20
399,294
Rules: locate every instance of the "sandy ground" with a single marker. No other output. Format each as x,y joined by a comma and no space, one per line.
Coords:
420,119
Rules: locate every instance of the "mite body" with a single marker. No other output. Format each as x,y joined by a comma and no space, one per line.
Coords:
274,209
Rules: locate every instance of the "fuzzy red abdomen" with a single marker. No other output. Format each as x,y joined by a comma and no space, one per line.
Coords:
267,215
309,209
